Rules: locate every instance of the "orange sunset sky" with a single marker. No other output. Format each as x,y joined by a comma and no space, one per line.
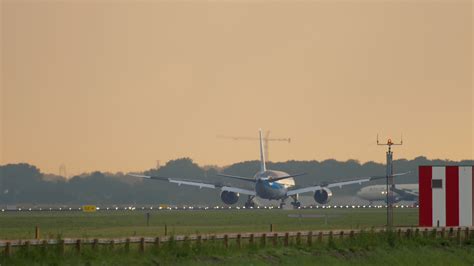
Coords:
117,85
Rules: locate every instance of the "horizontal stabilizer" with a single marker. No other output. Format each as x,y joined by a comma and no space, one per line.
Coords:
285,177
239,177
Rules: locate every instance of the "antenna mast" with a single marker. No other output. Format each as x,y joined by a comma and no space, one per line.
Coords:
390,183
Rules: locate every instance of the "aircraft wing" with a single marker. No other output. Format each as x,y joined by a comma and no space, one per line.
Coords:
197,184
338,184
406,192
249,179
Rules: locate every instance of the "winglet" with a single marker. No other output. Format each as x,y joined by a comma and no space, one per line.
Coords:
263,168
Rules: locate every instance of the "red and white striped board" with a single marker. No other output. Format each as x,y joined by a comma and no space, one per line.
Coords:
446,195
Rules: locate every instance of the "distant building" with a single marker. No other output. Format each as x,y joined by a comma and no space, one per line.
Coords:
446,196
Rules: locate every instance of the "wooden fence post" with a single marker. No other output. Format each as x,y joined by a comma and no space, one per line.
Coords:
351,234
44,246
78,246
112,245
310,238
341,235
185,240
275,239
157,243
263,239
7,249
434,232
251,239
226,241
425,232
417,232
27,246
287,239
61,246
171,239
298,238
458,235
127,245
199,240
238,240
141,247
330,235
95,244
443,232
466,233
320,237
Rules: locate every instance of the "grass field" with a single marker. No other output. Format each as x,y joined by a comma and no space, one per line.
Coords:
365,249
21,225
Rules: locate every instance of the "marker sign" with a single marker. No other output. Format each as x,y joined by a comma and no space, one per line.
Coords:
89,208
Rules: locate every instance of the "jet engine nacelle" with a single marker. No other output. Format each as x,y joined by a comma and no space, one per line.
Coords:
229,197
322,196
393,199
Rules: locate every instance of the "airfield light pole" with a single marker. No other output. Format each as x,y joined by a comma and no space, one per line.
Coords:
389,180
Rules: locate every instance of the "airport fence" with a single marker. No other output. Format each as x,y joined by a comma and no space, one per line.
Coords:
238,239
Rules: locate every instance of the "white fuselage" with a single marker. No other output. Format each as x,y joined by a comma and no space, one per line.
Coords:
379,192
266,189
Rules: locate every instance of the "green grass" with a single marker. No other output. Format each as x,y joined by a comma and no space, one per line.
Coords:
21,225
365,249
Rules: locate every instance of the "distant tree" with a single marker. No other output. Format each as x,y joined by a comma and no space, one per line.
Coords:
19,182
24,183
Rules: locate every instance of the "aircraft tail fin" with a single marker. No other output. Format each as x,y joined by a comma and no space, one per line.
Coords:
263,168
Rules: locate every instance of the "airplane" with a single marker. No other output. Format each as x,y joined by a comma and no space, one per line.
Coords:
406,192
268,184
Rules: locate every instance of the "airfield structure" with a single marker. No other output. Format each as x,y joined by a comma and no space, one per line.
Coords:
62,170
389,180
266,140
446,195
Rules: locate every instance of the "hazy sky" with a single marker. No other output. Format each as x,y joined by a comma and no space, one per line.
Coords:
117,85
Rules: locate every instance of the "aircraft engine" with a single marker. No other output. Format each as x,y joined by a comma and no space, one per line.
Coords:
229,197
322,196
393,199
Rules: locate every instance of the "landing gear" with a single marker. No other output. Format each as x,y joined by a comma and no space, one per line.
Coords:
249,203
296,204
282,204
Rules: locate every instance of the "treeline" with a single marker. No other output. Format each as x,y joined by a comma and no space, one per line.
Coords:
25,184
